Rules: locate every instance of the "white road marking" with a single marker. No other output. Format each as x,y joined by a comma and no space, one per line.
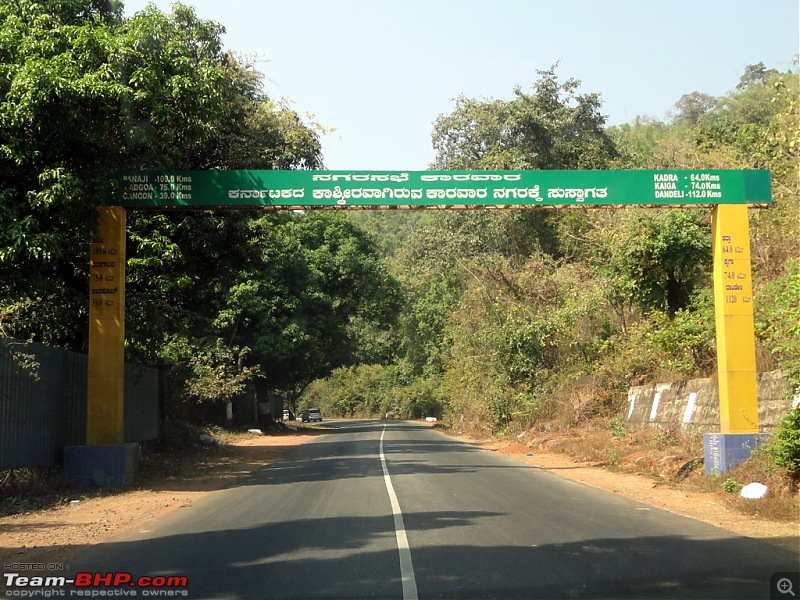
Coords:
406,567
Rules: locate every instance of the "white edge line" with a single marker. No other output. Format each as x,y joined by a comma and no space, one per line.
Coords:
406,567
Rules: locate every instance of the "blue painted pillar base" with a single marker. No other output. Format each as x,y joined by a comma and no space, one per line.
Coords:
723,451
87,466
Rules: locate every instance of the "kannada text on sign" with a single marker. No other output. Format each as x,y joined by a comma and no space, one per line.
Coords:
334,189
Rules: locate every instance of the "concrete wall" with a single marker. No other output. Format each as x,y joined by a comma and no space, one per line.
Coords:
693,406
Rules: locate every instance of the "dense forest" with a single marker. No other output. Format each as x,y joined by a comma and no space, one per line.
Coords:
513,317
493,319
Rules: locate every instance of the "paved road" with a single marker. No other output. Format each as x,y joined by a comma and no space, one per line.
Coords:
395,510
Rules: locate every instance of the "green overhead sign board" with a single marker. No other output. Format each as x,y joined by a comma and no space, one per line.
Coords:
437,189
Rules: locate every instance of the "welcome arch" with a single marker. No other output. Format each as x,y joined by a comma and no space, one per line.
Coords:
728,193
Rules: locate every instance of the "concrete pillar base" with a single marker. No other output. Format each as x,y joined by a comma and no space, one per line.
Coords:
723,451
87,466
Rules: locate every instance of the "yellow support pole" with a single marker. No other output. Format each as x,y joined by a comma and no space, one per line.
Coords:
105,403
733,307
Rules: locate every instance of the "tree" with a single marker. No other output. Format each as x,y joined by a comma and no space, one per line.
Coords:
690,107
255,132
552,127
636,142
656,259
735,125
84,93
51,64
755,74
316,291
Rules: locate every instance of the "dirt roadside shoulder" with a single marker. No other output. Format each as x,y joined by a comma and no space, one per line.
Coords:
709,507
57,535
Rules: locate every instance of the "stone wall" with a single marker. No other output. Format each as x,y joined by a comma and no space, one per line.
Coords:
693,406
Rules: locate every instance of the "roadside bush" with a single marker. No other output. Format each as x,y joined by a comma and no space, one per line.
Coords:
420,399
631,358
784,447
688,339
777,320
371,390
616,426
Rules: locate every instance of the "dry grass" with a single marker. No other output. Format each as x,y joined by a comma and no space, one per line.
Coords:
35,488
177,455
670,458
780,503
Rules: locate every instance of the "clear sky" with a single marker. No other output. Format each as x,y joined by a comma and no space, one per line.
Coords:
381,71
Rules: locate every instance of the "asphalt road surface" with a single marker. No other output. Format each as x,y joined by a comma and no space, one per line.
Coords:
391,509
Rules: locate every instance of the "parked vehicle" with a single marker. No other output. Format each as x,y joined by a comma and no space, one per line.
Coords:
311,414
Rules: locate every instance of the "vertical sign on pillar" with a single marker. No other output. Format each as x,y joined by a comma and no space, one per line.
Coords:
733,306
105,402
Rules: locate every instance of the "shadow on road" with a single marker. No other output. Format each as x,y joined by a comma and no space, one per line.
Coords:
355,557
348,549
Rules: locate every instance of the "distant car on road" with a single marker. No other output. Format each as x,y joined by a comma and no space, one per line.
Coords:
311,414
288,415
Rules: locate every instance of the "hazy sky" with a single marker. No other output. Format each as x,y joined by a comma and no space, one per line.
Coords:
381,71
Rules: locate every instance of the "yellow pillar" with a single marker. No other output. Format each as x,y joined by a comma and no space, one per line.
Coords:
733,307
105,402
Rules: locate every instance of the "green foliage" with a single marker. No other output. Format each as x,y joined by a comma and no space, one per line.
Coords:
731,486
374,390
500,409
420,398
516,336
424,323
345,294
778,320
391,228
636,142
690,107
666,437
784,447
85,92
304,294
655,258
485,316
756,74
215,376
617,427
738,120
551,127
688,339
